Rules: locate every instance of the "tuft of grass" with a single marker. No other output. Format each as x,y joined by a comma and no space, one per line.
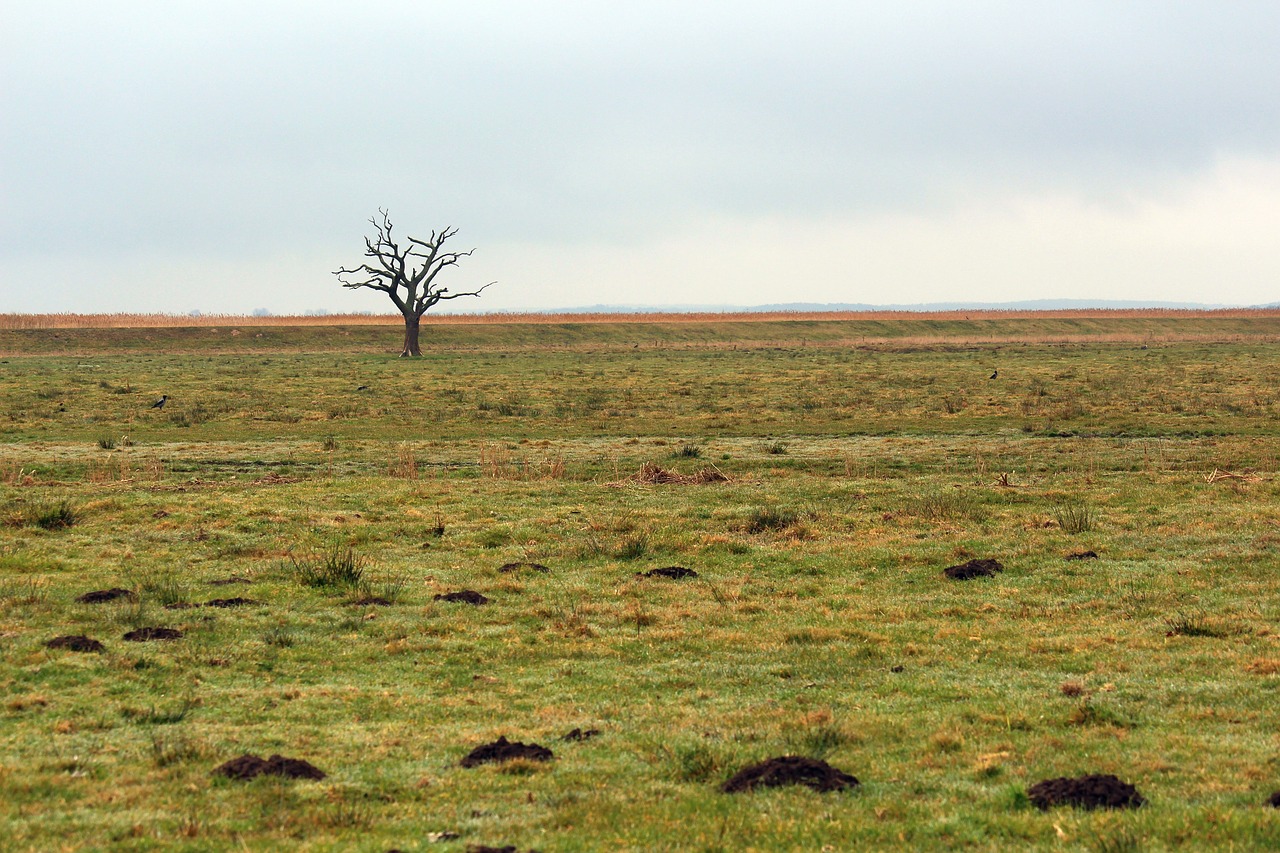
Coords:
107,442
688,451
49,516
1075,516
633,546
765,518
158,716
335,566
945,505
775,448
1194,624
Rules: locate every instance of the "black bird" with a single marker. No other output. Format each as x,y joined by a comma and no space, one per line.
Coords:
159,404
994,373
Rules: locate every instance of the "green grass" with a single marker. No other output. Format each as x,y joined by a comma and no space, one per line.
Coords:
820,623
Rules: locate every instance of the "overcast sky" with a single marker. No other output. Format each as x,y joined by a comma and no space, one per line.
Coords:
225,156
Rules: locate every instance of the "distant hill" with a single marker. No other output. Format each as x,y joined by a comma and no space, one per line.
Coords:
809,307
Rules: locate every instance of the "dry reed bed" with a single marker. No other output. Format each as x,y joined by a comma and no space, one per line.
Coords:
141,321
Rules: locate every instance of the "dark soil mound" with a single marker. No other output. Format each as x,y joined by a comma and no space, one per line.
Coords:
75,643
504,750
1274,802
675,573
249,766
469,596
1082,555
142,635
485,848
790,770
581,734
1087,792
229,581
973,569
99,596
229,602
372,601
515,567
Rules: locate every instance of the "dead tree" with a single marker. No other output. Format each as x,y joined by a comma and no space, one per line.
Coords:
407,275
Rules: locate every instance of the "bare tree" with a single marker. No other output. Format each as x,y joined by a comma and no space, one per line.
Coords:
407,275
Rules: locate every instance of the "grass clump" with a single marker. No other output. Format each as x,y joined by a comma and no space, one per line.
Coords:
765,518
1075,516
47,516
335,566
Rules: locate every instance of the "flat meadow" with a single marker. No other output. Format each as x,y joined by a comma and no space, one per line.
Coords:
297,511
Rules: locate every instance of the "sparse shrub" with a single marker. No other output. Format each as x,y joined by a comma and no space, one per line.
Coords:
106,442
1075,516
688,451
334,566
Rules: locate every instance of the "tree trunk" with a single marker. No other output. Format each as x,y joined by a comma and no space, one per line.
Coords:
411,348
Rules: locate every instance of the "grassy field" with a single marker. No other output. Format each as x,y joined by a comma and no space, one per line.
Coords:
860,458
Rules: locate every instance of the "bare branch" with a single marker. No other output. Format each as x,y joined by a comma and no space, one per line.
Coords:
406,275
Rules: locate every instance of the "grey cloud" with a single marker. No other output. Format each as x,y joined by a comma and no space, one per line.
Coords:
228,127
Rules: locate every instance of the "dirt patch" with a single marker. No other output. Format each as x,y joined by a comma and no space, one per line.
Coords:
250,766
652,474
675,573
467,596
372,601
229,581
143,635
101,596
973,569
229,602
1087,792
581,734
790,770
505,750
75,643
1274,802
515,567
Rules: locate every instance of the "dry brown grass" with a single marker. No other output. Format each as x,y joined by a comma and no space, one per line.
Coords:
123,321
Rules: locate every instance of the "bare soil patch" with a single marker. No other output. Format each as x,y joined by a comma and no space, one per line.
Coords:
249,766
466,596
75,643
505,750
674,573
790,770
143,635
973,569
101,596
581,734
1094,791
1082,555
515,567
